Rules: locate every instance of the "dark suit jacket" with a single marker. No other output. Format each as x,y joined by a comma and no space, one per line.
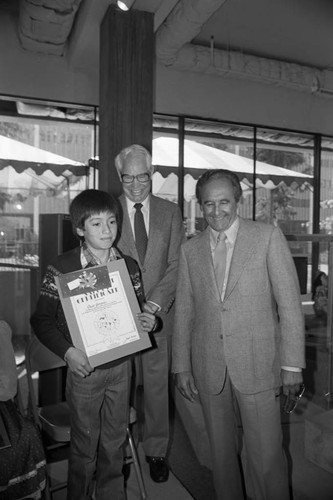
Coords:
259,325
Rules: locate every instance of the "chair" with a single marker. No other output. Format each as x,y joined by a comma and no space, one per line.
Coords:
133,458
53,419
21,452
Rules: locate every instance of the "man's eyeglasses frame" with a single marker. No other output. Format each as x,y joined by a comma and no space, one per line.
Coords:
128,179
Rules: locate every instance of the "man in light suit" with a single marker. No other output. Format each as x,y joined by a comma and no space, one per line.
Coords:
165,233
235,346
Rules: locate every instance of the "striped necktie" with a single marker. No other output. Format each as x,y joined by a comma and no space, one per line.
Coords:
220,260
140,232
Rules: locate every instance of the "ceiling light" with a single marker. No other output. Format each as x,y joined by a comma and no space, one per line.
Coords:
125,4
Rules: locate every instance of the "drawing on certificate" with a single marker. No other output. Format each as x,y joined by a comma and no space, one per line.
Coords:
104,317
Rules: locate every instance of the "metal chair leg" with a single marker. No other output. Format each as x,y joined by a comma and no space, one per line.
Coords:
46,493
137,465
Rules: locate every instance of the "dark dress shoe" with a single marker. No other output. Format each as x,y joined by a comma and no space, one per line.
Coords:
126,472
159,470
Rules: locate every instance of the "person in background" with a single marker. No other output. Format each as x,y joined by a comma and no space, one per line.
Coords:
22,463
238,336
98,398
152,232
320,296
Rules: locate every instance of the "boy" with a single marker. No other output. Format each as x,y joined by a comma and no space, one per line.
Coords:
98,398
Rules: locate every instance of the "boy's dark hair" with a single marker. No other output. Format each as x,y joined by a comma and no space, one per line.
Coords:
91,202
219,174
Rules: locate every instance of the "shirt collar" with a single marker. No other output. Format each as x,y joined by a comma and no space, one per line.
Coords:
230,233
130,203
88,259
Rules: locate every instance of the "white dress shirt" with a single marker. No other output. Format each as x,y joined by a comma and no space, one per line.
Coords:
145,212
230,240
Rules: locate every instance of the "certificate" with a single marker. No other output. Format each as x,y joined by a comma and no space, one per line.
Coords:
101,309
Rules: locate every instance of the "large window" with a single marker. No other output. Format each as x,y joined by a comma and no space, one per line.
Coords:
326,187
285,165
49,153
44,162
276,169
211,145
286,179
165,153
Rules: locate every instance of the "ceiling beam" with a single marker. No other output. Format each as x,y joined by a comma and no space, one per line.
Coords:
45,26
184,23
162,12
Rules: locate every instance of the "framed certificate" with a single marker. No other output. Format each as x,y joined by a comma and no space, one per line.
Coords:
101,309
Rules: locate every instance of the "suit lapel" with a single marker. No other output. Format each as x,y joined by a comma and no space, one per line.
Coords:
155,222
244,245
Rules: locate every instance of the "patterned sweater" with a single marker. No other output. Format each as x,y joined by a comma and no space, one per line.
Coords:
48,321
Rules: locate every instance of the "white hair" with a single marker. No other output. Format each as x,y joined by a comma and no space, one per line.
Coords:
134,151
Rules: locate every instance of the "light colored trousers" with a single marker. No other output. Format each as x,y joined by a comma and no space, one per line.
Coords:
266,474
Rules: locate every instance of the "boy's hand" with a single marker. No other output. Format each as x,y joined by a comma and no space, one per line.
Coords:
78,362
147,321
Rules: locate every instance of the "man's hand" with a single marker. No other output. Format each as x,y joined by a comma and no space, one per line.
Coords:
291,382
185,384
78,362
147,321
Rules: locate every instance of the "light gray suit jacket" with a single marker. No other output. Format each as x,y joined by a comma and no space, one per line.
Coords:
166,233
259,325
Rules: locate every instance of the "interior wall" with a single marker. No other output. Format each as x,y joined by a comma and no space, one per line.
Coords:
39,76
215,97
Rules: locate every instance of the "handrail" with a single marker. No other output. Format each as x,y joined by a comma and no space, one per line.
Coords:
320,238
18,266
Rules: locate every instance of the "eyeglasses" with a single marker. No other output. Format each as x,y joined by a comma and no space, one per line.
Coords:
128,179
290,402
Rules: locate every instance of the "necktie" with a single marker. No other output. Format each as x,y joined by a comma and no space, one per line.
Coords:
140,232
220,260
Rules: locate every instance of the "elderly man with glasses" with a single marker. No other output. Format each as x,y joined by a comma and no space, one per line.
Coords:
152,232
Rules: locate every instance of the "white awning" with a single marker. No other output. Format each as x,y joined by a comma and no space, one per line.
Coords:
199,158
22,156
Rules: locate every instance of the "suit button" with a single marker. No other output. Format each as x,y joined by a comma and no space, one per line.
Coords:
143,270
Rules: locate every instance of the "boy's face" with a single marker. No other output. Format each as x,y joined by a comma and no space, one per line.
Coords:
100,231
